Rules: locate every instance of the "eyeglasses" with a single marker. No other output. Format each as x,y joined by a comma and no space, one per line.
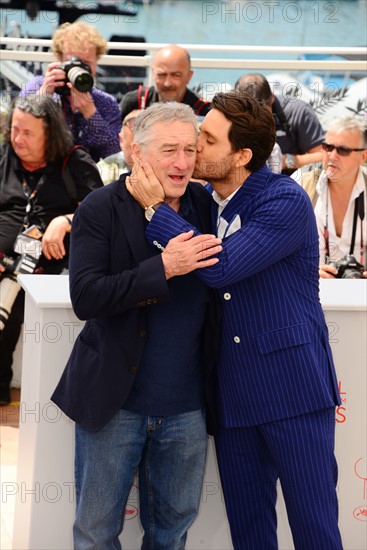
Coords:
342,151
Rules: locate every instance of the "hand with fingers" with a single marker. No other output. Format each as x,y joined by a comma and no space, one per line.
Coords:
54,78
185,253
53,238
82,102
144,186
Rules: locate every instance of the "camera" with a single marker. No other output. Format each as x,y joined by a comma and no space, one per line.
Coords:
348,268
9,286
78,73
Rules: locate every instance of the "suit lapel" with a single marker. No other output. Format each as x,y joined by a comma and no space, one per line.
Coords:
252,188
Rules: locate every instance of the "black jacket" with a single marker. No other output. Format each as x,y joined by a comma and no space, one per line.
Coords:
113,280
134,100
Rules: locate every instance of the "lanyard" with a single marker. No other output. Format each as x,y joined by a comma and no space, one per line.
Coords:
358,210
30,196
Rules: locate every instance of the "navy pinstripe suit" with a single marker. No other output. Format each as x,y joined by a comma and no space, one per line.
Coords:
277,388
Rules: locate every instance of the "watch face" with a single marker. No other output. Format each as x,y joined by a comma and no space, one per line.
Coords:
149,213
290,161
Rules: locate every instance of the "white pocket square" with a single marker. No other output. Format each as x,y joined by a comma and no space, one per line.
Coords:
225,229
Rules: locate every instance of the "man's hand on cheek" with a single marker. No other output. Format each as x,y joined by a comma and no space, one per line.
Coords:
143,185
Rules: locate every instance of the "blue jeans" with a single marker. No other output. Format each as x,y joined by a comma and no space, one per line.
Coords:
169,453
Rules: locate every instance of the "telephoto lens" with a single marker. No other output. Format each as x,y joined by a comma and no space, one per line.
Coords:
9,288
81,79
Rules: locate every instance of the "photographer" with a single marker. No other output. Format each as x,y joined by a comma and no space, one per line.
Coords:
338,191
42,180
94,117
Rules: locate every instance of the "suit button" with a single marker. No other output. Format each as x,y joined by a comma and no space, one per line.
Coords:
227,296
237,339
133,370
142,333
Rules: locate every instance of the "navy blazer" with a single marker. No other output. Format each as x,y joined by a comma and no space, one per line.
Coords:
113,280
275,360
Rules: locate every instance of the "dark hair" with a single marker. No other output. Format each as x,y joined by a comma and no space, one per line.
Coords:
256,85
252,125
59,139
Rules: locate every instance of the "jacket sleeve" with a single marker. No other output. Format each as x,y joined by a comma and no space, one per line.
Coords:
101,132
276,229
96,290
32,86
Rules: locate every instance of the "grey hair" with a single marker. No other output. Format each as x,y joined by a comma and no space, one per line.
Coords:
161,112
350,123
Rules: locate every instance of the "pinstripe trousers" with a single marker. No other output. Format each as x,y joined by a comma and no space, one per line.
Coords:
298,451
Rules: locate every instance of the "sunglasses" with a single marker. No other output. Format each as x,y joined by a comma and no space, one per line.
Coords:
342,151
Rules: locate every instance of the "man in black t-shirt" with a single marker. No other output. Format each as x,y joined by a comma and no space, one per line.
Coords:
298,130
171,73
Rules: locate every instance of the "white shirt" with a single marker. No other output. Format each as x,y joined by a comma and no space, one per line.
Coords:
275,161
225,229
340,246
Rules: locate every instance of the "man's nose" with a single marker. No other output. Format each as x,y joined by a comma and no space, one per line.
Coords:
333,154
181,160
168,81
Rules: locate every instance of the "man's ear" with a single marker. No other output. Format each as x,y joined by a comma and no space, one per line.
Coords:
136,151
243,157
364,157
189,76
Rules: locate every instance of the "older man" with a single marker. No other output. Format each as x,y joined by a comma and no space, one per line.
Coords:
339,193
136,380
113,166
277,387
171,74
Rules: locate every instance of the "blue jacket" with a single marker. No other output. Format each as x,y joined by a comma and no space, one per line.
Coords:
113,280
274,359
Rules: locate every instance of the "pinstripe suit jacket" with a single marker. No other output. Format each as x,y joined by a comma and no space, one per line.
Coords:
274,360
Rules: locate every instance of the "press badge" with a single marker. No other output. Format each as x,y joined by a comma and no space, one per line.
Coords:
29,242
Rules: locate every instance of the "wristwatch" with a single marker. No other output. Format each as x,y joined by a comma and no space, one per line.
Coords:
290,162
151,210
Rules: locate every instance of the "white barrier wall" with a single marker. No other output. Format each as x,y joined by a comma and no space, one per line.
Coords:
44,494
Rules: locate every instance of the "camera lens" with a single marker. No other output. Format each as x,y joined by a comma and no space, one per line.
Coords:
81,79
351,274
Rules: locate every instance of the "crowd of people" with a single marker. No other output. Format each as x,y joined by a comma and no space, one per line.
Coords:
181,200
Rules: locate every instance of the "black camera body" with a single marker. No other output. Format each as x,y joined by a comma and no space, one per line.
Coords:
78,73
24,263
348,268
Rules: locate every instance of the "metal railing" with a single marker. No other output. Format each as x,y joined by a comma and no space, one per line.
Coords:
27,49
